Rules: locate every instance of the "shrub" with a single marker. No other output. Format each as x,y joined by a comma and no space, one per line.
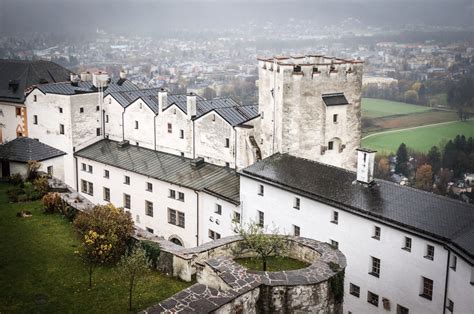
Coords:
52,203
41,185
152,252
14,193
16,179
69,212
33,167
31,194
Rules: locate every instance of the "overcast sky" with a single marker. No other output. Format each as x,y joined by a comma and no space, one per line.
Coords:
155,16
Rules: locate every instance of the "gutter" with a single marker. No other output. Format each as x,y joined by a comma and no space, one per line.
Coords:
446,283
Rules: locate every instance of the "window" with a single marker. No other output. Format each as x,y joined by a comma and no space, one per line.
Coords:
377,233
106,173
50,170
81,110
261,190
97,131
97,108
149,187
296,204
450,305
149,208
453,262
60,110
375,269
402,309
181,133
176,218
427,290
106,118
83,186
296,231
213,117
218,209
372,298
261,115
18,111
354,290
61,129
335,244
90,169
182,154
429,252
91,188
335,217
407,246
261,218
106,194
227,164
84,167
227,142
136,124
149,230
87,187
35,119
334,118
172,194
330,145
181,196
214,235
126,180
127,202
170,128
35,98
236,217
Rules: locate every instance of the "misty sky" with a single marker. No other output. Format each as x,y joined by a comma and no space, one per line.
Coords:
159,16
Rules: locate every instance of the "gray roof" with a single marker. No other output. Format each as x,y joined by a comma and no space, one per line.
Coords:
227,188
439,217
24,149
162,166
335,99
83,87
229,109
18,75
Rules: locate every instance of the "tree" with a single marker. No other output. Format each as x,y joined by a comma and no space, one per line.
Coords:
32,172
264,245
383,168
209,93
411,96
434,158
131,268
424,177
444,177
402,159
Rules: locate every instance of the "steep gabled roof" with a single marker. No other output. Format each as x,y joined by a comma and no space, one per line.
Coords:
18,75
85,87
24,149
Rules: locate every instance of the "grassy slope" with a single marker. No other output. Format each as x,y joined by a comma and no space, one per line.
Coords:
37,257
375,108
421,139
273,263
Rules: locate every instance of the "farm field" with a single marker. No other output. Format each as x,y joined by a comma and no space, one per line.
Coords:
419,139
39,272
376,108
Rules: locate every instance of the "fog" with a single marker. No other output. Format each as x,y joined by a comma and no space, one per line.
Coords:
163,16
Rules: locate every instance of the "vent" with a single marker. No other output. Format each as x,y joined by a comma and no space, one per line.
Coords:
123,144
197,163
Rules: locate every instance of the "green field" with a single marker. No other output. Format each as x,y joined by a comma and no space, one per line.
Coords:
420,139
376,108
39,272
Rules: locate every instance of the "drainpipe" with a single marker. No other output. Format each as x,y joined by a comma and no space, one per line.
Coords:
103,123
123,124
194,142
197,224
154,129
446,283
77,175
235,148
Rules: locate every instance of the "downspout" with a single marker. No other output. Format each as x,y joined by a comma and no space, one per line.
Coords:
77,175
235,148
194,142
197,220
154,130
274,109
446,283
123,124
103,123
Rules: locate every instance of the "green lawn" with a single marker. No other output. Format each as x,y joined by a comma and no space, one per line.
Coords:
273,263
376,108
421,139
37,263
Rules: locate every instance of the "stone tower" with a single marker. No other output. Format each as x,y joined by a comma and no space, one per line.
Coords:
310,107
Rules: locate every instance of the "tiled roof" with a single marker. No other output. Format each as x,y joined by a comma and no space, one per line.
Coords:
335,99
24,149
439,217
162,166
83,87
18,75
227,188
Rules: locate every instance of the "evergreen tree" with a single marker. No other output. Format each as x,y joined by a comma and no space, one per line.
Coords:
402,159
434,158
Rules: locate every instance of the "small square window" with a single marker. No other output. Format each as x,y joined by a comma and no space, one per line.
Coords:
81,110
35,119
50,170
375,268
18,111
90,169
150,230
181,133
261,190
334,118
127,202
170,128
136,125
227,143
429,252
60,110
126,180
97,131
450,305
402,309
354,290
91,188
236,218
218,209
453,262
182,154
149,208
61,129
372,298
377,233
35,98
97,108
213,117
106,194
331,145
227,164
172,194
335,217
296,203
181,196
261,219
427,289
213,235
174,111
84,167
106,173
296,231
149,187
407,244
106,118
335,244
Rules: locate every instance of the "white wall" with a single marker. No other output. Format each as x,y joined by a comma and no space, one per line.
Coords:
401,271
171,142
461,286
58,166
113,128
9,121
144,135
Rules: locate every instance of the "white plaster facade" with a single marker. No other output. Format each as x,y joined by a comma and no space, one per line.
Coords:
12,124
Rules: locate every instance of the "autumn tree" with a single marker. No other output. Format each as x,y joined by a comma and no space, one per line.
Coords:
257,240
32,172
424,177
383,168
131,268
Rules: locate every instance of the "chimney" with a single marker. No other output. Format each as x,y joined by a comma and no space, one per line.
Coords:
123,75
100,79
86,76
191,105
162,100
365,166
75,80
197,163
